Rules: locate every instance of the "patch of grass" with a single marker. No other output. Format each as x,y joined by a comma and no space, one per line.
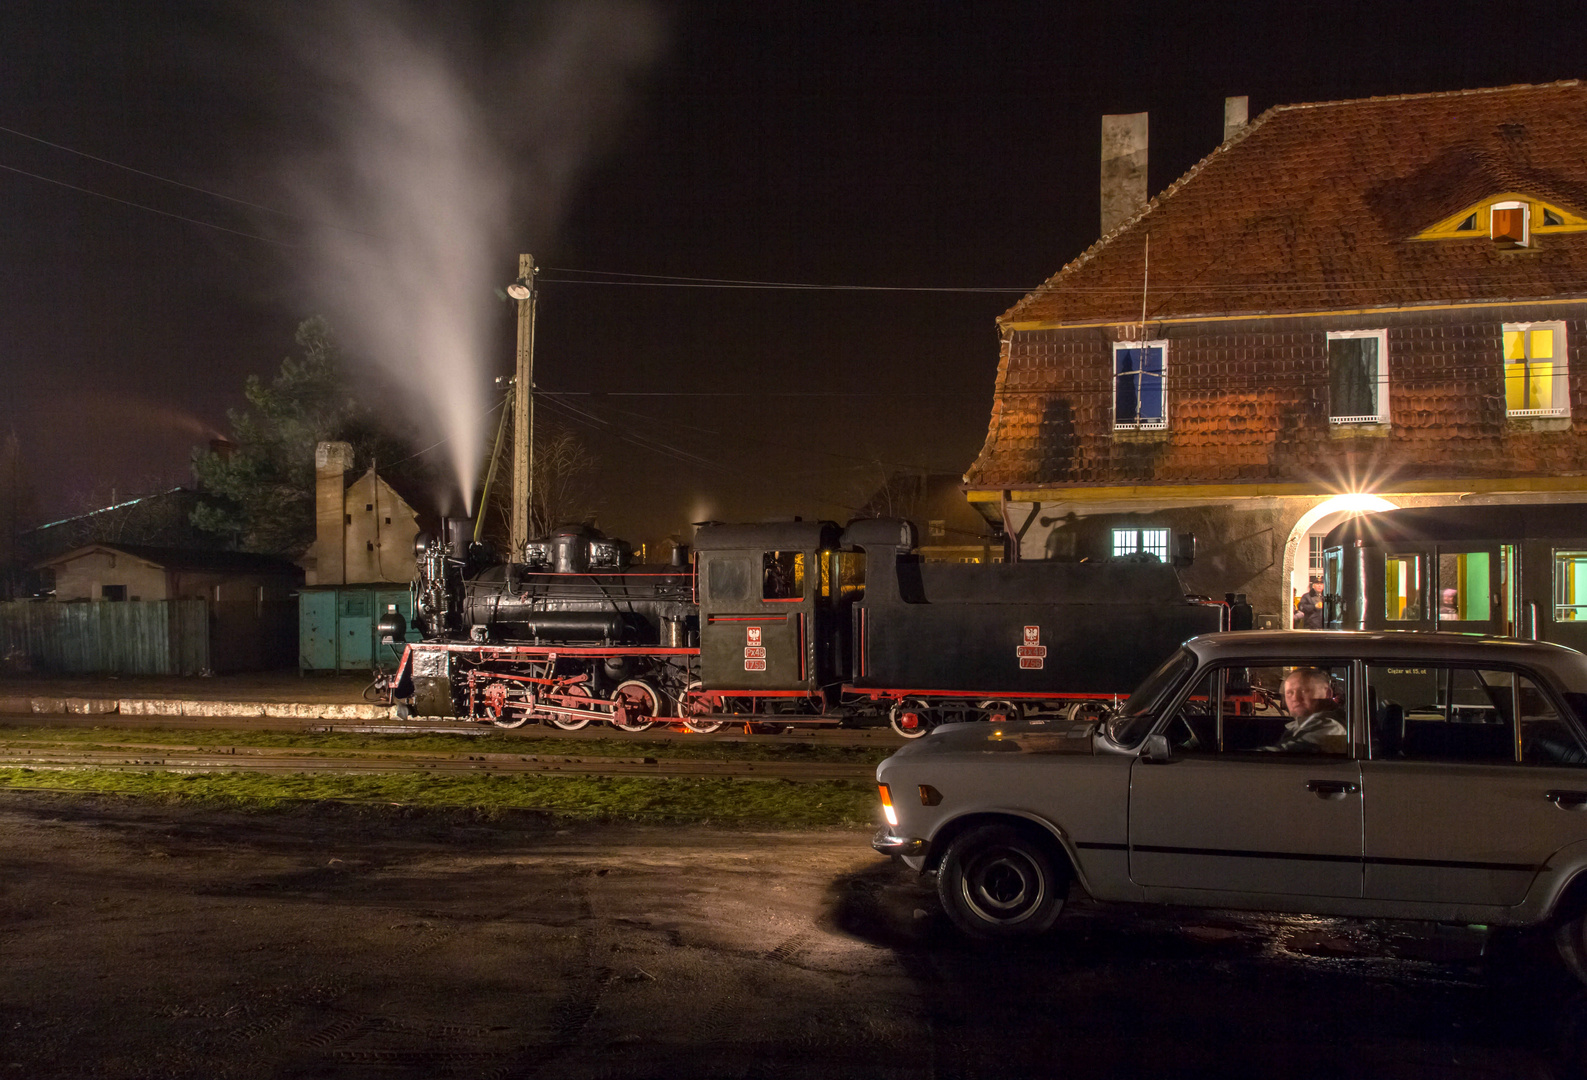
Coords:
777,803
703,747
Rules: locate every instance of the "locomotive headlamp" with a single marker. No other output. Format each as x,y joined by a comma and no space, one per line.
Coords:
887,805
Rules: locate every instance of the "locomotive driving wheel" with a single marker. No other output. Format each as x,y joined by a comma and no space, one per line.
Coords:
637,705
911,717
508,705
574,721
693,710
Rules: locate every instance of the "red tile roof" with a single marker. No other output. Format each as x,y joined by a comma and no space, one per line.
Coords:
1313,207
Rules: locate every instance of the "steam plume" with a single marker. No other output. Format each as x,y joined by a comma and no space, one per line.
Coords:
434,163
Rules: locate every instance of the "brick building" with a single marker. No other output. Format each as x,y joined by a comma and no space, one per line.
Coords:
1345,306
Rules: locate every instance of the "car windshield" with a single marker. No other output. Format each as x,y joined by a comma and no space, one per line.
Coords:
1134,718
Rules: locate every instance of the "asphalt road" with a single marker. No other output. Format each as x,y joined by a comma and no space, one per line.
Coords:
138,940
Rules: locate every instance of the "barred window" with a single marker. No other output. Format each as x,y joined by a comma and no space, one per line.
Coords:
1151,541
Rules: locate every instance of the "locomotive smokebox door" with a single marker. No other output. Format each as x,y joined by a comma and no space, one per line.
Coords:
760,588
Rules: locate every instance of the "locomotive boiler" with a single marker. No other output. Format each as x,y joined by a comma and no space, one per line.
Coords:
775,624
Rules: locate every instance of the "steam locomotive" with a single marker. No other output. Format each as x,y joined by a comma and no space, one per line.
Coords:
777,624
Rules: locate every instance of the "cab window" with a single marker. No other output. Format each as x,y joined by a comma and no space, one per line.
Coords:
783,575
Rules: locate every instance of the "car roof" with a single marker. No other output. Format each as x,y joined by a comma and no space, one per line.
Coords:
1567,665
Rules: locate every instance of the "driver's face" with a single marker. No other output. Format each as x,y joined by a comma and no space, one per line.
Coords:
1304,694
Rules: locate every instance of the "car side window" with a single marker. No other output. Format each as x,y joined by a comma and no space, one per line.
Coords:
1547,738
1288,709
1457,713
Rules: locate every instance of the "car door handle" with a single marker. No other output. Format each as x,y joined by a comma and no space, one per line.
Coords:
1332,789
1567,800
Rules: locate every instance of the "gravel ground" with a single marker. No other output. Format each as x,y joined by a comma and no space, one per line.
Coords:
143,940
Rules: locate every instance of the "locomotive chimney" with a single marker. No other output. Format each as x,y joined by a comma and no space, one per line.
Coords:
1123,168
331,462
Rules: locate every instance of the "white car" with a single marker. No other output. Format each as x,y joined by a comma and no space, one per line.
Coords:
1386,775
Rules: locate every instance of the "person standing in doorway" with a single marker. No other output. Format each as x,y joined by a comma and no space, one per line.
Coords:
1311,606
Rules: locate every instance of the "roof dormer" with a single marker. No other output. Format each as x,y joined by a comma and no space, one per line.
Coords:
1510,218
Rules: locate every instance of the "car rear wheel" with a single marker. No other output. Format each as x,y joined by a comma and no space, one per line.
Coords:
996,882
1571,940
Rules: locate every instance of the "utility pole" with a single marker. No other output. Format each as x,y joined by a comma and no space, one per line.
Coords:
523,407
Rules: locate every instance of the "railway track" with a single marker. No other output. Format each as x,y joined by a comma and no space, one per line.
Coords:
877,737
135,757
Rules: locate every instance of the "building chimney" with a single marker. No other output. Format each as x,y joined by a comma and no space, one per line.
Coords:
1123,168
1236,111
331,462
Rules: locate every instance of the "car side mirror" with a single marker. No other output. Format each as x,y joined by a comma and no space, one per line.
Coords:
1155,750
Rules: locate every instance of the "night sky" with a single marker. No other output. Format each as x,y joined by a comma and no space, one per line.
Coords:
900,145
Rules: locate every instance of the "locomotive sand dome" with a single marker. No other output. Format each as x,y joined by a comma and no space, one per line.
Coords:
786,623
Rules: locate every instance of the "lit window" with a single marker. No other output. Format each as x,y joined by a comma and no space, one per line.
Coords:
1151,541
1358,377
1402,588
1510,221
1570,586
1464,587
1535,370
1140,370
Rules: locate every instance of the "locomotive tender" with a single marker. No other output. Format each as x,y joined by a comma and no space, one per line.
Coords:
788,623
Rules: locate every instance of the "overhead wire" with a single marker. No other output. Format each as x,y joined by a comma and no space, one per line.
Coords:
142,172
803,446
599,277
150,209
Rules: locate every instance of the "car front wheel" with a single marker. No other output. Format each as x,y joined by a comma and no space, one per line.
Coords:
995,882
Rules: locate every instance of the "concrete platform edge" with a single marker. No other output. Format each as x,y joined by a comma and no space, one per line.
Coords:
170,707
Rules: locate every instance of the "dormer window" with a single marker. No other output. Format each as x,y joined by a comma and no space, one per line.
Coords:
1510,221
1511,218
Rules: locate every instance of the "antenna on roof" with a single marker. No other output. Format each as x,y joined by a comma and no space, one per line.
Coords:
1146,262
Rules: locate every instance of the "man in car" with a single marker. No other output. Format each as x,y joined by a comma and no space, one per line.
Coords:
1318,726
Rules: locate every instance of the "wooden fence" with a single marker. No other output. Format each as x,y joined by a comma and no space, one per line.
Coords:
135,637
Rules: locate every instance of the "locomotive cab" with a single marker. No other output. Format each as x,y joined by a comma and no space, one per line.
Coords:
766,604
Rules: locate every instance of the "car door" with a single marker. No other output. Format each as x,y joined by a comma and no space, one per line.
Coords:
1227,812
1476,778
